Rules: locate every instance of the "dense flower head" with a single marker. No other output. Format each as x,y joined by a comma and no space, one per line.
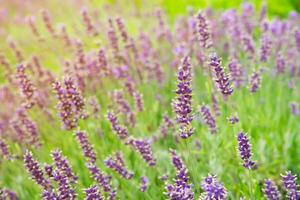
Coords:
270,190
64,190
280,64
102,179
265,47
248,45
209,120
244,149
181,189
144,183
255,82
92,193
221,78
115,125
87,148
144,148
203,32
290,184
26,86
213,190
117,164
7,194
62,164
182,105
233,119
37,174
4,153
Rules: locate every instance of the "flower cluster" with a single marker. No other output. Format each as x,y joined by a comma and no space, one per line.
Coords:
213,189
86,147
182,105
203,32
144,148
236,73
117,128
117,164
144,183
255,81
181,189
92,193
290,183
270,190
244,148
221,78
209,120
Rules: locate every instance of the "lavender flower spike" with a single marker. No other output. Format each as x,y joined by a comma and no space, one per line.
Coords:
244,148
255,81
117,164
86,147
144,183
213,189
183,103
203,32
117,128
221,78
209,120
297,38
92,193
290,183
270,190
144,148
35,171
181,189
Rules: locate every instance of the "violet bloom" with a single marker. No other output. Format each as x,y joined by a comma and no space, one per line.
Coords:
92,193
244,149
270,190
90,29
35,171
7,194
143,147
26,86
62,164
102,179
213,189
221,78
203,32
249,47
138,100
294,108
208,119
166,126
49,194
280,64
215,105
236,73
182,105
181,189
255,81
64,190
117,164
4,150
297,38
265,47
121,131
233,119
144,183
87,148
290,184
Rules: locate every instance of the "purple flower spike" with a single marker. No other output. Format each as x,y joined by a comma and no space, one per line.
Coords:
117,128
290,183
181,189
35,171
233,119
213,189
144,183
92,193
7,194
294,108
221,78
64,190
236,73
4,150
244,148
117,164
144,148
297,39
63,166
102,180
87,148
265,47
209,120
280,64
270,190
203,32
182,105
255,81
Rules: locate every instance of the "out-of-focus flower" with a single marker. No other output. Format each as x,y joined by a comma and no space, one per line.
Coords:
294,108
221,78
117,164
144,183
90,28
209,120
48,22
236,73
4,150
203,32
144,148
255,81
